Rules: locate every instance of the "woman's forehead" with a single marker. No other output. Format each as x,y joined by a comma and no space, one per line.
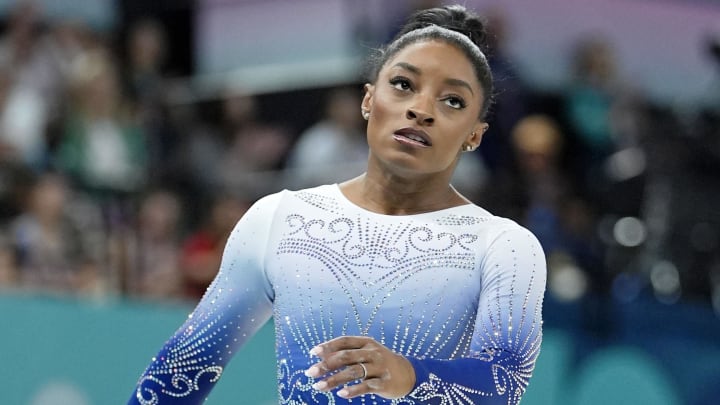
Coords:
434,57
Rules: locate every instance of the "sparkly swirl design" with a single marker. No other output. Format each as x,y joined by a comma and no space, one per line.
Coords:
502,378
182,385
294,385
357,241
370,260
435,389
508,383
315,229
188,364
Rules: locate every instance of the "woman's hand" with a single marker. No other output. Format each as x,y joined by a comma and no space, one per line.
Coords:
351,358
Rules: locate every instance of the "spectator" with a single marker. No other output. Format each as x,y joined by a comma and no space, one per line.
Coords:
590,97
53,254
334,148
23,87
102,149
539,194
202,250
66,43
191,167
602,114
255,149
153,249
147,86
146,48
535,181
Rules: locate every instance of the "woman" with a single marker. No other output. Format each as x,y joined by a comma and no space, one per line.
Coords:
391,287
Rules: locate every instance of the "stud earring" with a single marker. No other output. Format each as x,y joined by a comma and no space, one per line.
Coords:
365,114
468,148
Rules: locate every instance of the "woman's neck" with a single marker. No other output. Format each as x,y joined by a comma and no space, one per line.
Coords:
390,195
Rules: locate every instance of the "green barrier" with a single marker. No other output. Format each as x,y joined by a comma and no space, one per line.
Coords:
60,352
65,352
623,376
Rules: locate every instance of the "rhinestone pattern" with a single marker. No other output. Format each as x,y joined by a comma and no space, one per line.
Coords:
458,292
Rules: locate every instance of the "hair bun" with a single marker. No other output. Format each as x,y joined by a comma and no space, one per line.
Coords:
455,17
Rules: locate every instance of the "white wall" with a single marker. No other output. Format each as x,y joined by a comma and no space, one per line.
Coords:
658,42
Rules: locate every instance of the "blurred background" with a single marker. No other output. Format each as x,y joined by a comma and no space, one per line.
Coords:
134,134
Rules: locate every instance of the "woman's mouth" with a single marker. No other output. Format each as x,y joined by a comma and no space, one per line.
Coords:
412,136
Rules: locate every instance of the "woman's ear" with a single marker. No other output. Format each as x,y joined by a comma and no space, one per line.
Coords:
476,136
368,98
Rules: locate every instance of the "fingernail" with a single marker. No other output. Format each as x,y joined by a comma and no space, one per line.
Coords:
315,351
343,393
312,372
319,385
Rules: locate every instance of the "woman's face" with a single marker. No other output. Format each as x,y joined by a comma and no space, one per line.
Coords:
424,108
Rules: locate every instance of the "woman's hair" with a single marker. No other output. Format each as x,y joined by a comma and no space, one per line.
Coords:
454,25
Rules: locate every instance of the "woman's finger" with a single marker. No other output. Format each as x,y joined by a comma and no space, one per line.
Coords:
353,372
368,386
345,360
338,360
341,343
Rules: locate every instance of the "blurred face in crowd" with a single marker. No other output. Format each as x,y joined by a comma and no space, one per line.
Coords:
48,199
595,62
537,142
147,46
239,108
97,85
159,215
342,109
423,108
225,213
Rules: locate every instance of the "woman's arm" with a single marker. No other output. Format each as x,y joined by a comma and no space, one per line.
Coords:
235,306
507,335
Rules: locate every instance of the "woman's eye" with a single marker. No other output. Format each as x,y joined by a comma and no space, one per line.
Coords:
401,83
455,102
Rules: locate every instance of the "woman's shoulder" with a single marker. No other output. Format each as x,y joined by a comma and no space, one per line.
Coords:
288,196
472,214
479,220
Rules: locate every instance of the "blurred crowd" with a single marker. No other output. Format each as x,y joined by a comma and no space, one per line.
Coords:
111,184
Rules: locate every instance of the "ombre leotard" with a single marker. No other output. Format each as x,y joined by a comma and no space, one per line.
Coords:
457,291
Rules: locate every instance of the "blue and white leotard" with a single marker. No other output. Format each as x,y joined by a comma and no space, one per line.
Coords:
457,291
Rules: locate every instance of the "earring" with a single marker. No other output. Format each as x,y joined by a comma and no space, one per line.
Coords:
365,114
467,147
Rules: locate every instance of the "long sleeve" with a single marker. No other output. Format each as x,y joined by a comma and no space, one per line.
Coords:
507,334
235,306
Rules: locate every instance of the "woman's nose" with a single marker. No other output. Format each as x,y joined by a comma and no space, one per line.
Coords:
419,116
420,112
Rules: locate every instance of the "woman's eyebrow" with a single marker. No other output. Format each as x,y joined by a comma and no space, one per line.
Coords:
407,66
460,83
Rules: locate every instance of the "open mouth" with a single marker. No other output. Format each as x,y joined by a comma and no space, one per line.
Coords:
412,136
